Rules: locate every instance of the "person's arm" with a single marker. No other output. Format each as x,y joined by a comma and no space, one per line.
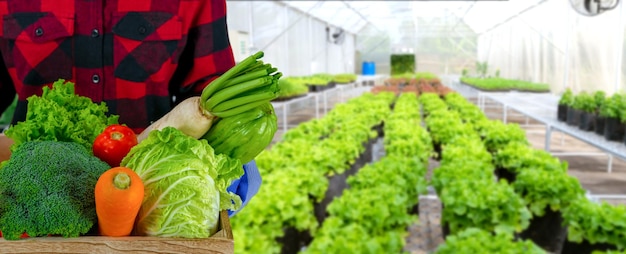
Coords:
7,90
207,53
7,95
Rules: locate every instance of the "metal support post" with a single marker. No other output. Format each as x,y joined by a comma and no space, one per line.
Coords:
610,166
548,137
325,102
504,112
285,126
317,107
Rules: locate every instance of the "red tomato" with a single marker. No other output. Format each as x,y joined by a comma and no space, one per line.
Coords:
24,235
113,144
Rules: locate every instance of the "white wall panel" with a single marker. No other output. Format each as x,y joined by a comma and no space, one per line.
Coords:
293,41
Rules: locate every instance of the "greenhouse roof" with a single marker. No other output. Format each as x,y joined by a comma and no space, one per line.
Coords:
354,16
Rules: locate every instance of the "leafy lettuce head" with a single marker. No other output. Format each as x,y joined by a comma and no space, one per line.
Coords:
185,184
60,114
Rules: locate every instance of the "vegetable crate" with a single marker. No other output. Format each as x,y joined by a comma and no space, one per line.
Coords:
221,242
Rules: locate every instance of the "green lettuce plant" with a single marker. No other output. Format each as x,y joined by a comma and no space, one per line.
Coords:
403,134
542,189
466,148
596,222
344,78
567,98
475,240
290,87
445,126
599,98
518,156
485,204
584,102
451,172
496,134
614,107
337,237
468,112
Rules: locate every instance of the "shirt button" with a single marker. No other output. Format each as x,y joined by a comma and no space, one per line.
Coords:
39,31
95,33
142,29
95,79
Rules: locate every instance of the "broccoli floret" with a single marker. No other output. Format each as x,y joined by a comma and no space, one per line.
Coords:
47,187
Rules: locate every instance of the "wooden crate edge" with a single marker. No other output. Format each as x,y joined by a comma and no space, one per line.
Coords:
221,242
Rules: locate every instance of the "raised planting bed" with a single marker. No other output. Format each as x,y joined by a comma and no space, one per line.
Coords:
314,88
337,182
281,99
614,129
501,84
594,226
573,116
547,231
291,87
344,78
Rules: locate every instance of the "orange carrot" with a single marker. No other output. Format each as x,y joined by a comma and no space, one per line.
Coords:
118,196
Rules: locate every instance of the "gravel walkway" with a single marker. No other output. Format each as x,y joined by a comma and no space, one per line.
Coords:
425,236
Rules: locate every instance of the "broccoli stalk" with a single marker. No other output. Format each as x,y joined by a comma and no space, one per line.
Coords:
46,188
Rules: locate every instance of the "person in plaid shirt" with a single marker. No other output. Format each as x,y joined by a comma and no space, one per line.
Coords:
140,57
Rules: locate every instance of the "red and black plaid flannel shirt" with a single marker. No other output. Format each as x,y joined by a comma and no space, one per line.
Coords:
135,55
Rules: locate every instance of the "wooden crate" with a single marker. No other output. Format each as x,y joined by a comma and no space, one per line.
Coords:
220,242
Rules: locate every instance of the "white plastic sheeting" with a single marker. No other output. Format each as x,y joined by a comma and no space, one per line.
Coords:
552,43
537,40
294,42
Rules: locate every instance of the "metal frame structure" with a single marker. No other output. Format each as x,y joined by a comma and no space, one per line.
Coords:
321,99
542,108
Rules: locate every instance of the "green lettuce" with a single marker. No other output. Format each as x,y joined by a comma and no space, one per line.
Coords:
59,114
185,185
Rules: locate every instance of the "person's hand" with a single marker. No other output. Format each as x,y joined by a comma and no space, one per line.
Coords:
247,186
5,144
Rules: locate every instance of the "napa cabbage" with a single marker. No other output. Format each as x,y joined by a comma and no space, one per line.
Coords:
185,185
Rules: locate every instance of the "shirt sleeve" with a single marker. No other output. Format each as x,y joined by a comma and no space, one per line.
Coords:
207,53
7,90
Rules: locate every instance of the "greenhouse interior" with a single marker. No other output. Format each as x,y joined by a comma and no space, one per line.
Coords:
327,189
431,127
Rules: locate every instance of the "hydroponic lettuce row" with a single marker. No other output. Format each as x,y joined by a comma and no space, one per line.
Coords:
293,181
468,192
376,207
